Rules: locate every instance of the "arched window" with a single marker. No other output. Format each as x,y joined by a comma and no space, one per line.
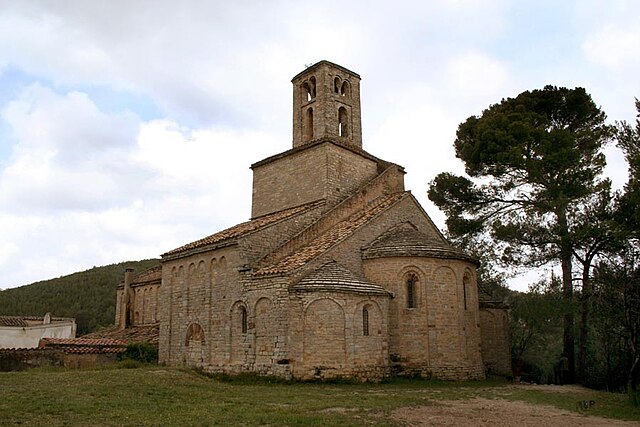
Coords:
243,319
194,333
365,321
412,284
343,122
466,282
336,85
309,89
345,89
308,128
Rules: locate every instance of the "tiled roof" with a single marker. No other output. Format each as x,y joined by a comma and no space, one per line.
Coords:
26,321
333,277
143,333
326,240
152,275
13,321
243,228
84,345
83,341
406,240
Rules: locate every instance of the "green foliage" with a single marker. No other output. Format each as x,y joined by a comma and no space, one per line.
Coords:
142,352
617,314
89,296
629,203
536,330
535,165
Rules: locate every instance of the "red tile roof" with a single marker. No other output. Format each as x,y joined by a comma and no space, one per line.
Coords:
84,345
243,228
326,240
13,321
84,341
143,333
26,321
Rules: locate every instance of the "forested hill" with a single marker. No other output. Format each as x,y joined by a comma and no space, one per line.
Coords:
89,296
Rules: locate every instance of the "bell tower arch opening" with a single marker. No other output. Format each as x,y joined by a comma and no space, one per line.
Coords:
326,104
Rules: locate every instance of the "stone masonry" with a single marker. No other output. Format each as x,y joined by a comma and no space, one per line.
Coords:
338,273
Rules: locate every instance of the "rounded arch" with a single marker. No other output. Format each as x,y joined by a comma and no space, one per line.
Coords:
238,320
265,330
192,270
369,315
412,285
468,281
367,333
372,307
308,124
194,333
308,89
345,89
343,122
222,263
336,84
202,271
194,345
324,333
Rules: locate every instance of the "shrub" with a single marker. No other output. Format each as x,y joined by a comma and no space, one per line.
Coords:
142,352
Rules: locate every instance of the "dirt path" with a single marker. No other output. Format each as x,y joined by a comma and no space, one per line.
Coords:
500,412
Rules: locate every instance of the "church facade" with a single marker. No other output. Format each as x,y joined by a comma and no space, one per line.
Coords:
339,271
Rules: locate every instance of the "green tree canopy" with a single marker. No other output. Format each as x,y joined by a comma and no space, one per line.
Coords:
533,163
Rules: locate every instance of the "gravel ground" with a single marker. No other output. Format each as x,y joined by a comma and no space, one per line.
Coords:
499,412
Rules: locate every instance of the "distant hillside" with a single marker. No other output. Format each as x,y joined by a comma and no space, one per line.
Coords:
89,296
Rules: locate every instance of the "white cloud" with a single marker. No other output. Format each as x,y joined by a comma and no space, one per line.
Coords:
614,47
94,179
84,187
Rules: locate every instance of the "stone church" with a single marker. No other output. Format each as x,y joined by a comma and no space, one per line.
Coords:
339,271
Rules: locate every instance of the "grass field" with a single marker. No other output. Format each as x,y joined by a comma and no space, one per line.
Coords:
158,396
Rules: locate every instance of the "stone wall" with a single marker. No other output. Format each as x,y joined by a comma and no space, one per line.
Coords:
328,337
319,92
434,335
496,352
145,303
321,171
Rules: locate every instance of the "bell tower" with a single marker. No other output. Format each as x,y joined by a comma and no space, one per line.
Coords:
326,103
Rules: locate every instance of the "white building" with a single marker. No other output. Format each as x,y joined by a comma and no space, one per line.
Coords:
26,331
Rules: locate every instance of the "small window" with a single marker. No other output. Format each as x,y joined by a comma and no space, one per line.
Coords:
465,289
365,321
308,125
344,89
336,85
309,89
412,281
243,320
343,122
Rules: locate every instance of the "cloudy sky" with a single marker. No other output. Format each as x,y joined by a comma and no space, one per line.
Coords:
127,128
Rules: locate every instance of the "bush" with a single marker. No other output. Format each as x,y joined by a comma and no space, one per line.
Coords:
142,352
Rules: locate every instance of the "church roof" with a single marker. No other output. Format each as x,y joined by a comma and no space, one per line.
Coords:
332,236
406,240
146,277
334,277
242,229
140,333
